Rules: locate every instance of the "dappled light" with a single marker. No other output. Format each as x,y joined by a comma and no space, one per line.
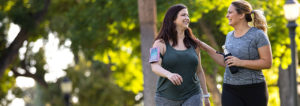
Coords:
99,46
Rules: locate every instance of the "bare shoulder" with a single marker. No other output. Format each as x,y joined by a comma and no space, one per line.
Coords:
160,44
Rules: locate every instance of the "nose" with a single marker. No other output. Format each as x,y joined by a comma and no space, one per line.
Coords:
187,18
227,15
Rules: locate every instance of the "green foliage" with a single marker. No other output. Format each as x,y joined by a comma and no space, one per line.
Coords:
93,28
52,95
20,15
6,82
39,58
105,28
94,85
18,92
107,33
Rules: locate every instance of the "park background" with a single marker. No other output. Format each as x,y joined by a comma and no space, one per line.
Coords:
101,47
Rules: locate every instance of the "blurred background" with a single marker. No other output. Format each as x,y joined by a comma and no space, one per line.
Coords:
95,52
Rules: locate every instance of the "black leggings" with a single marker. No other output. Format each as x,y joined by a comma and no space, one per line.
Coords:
245,95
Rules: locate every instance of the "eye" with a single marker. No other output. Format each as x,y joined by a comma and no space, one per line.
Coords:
185,15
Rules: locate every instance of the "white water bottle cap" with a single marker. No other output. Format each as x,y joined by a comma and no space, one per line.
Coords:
225,50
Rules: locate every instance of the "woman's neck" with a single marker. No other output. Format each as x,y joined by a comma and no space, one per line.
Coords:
180,34
241,29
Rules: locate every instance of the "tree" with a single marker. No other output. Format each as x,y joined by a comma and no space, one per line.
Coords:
32,18
60,19
107,32
147,17
29,18
96,87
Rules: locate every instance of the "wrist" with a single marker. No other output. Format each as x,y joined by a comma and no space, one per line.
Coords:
207,95
168,74
242,63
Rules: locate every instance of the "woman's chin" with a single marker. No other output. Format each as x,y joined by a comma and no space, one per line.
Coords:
186,26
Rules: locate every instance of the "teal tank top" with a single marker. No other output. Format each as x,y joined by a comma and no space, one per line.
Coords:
184,63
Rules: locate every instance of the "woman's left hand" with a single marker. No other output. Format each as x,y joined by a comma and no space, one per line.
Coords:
206,102
233,61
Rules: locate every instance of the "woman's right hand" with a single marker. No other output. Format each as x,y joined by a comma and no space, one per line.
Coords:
175,78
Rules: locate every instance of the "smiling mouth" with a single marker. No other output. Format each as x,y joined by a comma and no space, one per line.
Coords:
186,22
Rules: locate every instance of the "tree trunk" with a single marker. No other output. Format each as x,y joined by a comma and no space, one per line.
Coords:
147,17
209,34
13,50
39,80
216,95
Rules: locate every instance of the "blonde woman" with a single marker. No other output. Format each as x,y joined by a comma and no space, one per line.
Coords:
251,52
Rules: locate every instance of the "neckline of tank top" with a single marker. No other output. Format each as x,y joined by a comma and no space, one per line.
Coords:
242,35
176,49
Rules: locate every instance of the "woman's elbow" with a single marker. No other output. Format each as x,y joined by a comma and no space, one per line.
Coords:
268,65
153,68
222,64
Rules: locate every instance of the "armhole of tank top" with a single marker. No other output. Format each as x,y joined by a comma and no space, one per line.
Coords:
162,55
196,49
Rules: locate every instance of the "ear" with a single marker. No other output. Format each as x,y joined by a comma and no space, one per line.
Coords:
174,22
242,16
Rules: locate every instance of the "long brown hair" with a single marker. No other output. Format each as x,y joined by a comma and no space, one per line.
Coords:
244,7
168,30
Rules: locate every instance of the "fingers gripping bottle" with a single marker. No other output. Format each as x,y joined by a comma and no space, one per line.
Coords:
233,69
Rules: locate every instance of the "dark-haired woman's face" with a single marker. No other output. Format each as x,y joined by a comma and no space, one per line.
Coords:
182,20
233,16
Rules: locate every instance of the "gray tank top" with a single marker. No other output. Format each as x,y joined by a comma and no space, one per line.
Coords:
183,62
245,48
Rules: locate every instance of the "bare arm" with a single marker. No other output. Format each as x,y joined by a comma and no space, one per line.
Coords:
218,58
264,62
201,76
175,78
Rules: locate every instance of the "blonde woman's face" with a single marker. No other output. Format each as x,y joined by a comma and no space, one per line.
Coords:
182,19
233,17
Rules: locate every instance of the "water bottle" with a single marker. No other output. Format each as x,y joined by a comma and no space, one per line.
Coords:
233,69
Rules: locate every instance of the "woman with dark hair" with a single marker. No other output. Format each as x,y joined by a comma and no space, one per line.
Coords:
175,58
251,52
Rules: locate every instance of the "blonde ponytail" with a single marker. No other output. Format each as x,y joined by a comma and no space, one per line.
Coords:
259,20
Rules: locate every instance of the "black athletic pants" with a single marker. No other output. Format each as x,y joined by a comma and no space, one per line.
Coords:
245,95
